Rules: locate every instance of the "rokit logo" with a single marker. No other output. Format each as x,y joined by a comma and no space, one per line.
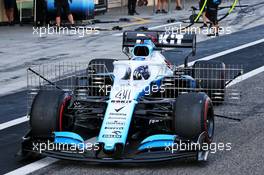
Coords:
164,38
170,39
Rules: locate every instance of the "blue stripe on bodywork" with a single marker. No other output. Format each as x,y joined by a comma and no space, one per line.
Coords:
157,141
67,138
156,144
159,137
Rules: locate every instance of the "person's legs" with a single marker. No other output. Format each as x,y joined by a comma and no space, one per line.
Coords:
164,6
129,6
9,10
134,6
205,20
211,14
11,15
58,13
178,5
58,21
66,9
158,6
216,27
70,18
201,5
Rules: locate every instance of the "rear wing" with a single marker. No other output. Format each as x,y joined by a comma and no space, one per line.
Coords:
161,39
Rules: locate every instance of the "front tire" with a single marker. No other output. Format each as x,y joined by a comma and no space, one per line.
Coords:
47,112
193,115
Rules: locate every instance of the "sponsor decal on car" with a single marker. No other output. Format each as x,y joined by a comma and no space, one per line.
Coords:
172,39
119,109
115,128
111,136
115,123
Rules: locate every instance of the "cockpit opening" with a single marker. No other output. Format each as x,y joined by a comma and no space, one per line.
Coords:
141,51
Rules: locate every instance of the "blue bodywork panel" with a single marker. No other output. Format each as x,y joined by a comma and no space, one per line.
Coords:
191,79
159,137
67,138
157,141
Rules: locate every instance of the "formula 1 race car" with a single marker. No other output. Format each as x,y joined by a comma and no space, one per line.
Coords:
143,109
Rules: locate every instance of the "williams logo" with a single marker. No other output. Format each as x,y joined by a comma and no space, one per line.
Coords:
116,132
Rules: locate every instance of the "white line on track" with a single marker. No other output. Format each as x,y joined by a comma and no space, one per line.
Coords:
229,51
33,166
246,76
13,122
48,161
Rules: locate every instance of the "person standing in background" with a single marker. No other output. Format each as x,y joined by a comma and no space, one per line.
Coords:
41,12
131,5
161,6
205,19
9,9
211,14
65,6
178,5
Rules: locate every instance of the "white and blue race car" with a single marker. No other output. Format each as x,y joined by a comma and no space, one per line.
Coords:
142,109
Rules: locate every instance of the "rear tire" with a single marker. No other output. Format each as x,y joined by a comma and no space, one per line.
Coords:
45,112
193,114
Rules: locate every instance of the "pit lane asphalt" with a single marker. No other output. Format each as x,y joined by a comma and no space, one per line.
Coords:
246,155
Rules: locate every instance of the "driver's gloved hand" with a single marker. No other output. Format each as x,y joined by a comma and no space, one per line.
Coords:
140,72
137,75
